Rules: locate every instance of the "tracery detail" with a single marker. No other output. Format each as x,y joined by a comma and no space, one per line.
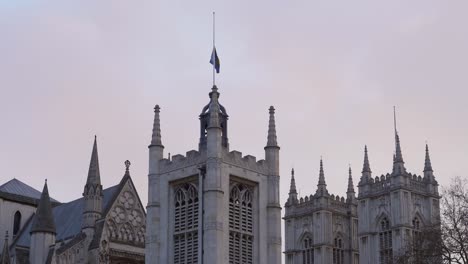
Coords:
240,224
385,242
186,224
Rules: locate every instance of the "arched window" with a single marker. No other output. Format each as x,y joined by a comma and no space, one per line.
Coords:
240,224
186,224
338,252
16,223
385,242
416,230
307,250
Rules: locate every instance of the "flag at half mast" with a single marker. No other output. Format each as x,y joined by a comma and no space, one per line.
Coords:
215,60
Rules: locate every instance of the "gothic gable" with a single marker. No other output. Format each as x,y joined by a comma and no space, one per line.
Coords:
124,225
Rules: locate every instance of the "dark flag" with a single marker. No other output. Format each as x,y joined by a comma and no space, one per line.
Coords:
215,60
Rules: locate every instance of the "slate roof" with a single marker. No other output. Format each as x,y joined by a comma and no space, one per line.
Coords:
19,191
67,217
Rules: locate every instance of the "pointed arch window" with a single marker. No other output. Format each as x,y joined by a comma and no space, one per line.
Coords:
16,223
385,242
338,252
308,250
186,224
416,230
240,224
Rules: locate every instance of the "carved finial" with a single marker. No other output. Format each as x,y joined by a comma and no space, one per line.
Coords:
272,139
127,166
366,166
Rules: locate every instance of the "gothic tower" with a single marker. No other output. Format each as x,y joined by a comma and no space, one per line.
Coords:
213,205
392,208
42,230
92,194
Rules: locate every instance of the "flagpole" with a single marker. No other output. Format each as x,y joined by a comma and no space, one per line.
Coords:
214,64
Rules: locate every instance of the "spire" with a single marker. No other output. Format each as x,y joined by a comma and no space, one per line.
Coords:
94,177
43,220
272,141
292,186
5,253
398,155
350,182
321,186
214,108
156,137
427,162
366,166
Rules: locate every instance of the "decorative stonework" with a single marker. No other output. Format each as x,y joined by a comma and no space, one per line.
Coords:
125,220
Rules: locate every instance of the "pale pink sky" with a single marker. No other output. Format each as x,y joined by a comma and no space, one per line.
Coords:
333,70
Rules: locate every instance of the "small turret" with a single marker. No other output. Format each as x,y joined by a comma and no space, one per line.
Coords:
6,252
43,221
92,193
292,189
321,186
156,137
213,115
42,230
351,195
272,148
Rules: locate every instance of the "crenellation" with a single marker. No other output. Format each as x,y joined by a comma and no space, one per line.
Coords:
248,161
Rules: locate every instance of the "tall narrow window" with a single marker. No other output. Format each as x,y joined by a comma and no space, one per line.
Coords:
240,225
338,252
186,224
307,250
416,232
385,239
16,223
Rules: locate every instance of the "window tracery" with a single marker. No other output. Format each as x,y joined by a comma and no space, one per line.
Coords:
240,224
385,245
338,252
186,224
307,250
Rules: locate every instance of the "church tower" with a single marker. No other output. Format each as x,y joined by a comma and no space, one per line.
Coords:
42,230
213,205
393,208
92,194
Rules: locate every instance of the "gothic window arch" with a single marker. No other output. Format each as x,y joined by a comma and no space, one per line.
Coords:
385,242
307,250
416,230
338,252
240,224
186,224
16,223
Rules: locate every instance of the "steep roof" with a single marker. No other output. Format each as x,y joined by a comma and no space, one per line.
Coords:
68,218
17,190
44,220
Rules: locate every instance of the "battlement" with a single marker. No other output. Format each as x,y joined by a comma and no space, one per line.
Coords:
248,161
385,182
178,161
313,202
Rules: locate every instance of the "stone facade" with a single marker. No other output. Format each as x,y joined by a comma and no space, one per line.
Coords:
393,207
104,226
321,228
213,205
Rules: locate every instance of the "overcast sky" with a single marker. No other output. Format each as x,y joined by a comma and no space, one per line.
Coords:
332,69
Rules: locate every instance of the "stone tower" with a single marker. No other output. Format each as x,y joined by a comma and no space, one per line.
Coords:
393,207
42,230
92,194
321,228
213,205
